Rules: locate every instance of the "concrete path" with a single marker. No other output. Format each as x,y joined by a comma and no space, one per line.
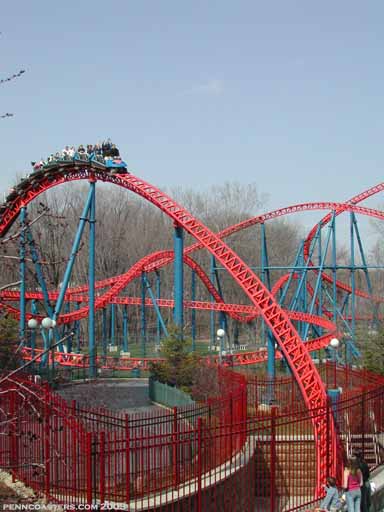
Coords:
129,395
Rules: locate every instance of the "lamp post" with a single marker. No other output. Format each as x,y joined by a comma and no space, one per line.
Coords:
220,333
47,324
334,343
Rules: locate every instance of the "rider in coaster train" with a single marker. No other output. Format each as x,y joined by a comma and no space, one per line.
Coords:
106,153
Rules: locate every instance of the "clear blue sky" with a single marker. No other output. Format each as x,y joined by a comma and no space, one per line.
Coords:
288,94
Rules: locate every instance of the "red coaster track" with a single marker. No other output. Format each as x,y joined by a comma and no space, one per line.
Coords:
290,343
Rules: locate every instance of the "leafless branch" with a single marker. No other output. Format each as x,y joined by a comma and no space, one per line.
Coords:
29,224
40,355
9,285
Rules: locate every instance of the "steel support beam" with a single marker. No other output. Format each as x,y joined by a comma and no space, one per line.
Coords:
91,282
22,269
178,244
193,312
125,328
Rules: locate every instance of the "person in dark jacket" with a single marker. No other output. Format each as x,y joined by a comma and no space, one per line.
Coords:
366,487
106,147
114,152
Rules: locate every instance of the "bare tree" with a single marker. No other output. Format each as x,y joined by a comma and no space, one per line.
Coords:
129,228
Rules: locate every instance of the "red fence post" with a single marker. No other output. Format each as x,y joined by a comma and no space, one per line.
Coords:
127,460
273,460
13,438
209,405
175,449
199,464
244,415
47,444
102,467
328,423
363,414
231,424
88,452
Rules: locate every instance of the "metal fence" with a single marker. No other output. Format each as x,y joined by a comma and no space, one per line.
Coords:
166,395
239,451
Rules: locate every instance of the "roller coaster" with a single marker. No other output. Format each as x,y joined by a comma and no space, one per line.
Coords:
300,313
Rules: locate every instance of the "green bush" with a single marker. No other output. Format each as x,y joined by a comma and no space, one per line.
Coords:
179,365
8,343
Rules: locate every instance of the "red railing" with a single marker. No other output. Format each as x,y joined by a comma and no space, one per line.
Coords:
236,451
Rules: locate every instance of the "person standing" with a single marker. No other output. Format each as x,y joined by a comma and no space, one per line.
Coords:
352,482
366,487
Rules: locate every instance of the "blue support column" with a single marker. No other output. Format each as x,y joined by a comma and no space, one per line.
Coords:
178,243
271,367
212,341
291,274
143,316
156,307
299,293
365,268
68,270
72,258
70,344
112,338
317,292
39,273
34,311
264,258
353,287
45,336
362,254
104,331
65,329
334,263
22,304
193,311
77,330
91,282
158,295
262,275
236,334
125,328
320,290
222,316
304,300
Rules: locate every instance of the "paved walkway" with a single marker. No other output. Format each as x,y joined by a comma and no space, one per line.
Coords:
377,477
129,395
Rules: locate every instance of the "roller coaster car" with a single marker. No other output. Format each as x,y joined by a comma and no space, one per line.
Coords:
51,175
39,173
11,196
50,166
25,183
97,165
116,166
10,205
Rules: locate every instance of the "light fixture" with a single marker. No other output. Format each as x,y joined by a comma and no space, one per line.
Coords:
48,323
334,343
33,323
